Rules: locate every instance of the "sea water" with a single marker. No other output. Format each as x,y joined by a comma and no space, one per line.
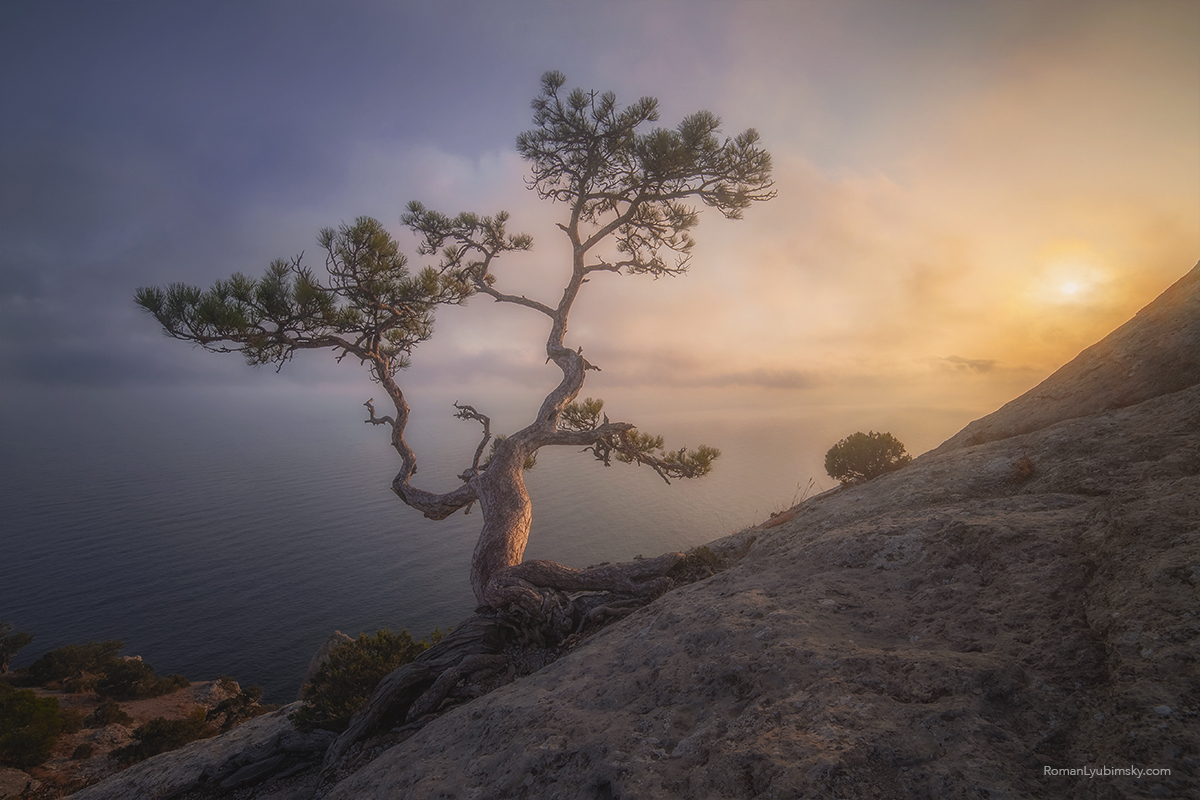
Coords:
231,538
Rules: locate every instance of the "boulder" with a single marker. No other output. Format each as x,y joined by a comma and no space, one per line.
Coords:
111,735
14,781
212,693
253,751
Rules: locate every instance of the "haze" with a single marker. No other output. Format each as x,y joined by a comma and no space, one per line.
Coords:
968,194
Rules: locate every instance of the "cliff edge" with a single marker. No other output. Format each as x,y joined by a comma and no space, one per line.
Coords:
1155,353
997,608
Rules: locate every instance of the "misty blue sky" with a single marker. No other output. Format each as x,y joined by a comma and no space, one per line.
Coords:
944,170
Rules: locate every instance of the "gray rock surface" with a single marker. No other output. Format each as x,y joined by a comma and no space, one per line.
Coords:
111,735
214,692
246,754
938,630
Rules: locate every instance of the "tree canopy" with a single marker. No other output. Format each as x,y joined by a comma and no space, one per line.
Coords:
863,456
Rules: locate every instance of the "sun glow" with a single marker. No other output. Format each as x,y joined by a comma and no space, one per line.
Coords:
1070,275
1071,283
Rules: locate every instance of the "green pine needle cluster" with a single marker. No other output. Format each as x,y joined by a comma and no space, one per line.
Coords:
369,305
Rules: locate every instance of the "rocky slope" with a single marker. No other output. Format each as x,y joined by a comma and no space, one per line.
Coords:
1020,601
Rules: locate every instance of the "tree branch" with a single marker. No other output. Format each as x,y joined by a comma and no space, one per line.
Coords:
520,300
468,412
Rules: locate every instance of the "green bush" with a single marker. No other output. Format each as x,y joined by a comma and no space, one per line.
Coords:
863,456
10,643
72,720
133,679
95,666
160,735
79,684
108,713
343,684
29,727
126,680
73,660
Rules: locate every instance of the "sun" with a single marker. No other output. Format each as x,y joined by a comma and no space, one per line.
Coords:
1069,281
1068,272
1072,285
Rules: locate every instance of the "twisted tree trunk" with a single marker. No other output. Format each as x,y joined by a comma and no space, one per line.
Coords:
507,514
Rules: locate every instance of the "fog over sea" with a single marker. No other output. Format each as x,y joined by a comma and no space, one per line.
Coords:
230,533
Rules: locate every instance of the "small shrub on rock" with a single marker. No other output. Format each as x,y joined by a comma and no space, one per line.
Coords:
699,564
133,679
108,713
160,735
343,684
29,727
863,456
72,720
83,751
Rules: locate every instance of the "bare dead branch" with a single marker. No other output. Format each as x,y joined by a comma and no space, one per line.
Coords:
374,420
468,412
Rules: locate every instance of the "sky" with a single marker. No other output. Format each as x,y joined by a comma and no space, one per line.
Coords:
968,193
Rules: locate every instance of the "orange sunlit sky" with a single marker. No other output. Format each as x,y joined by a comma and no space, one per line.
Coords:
968,193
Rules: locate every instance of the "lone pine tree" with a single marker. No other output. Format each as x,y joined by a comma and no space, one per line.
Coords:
630,193
864,456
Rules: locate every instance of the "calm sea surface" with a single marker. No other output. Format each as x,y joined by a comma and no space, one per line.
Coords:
234,538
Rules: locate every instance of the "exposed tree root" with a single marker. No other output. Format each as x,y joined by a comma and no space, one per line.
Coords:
395,694
537,604
535,593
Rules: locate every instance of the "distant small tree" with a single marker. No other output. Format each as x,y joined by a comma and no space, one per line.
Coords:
10,644
863,456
